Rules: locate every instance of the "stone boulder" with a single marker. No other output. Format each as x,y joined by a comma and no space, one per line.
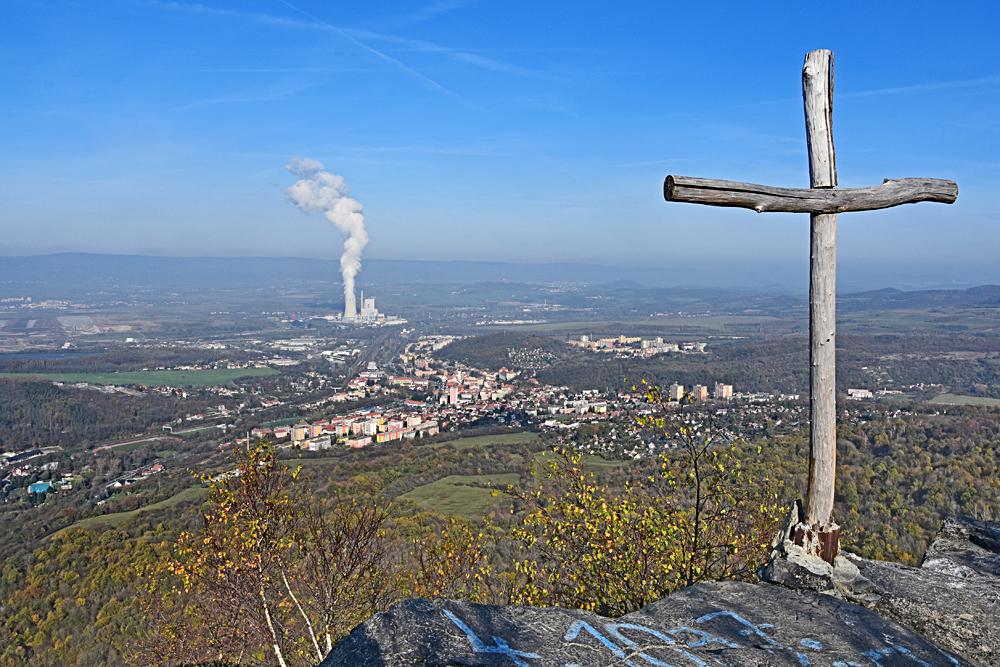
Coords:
952,599
855,613
965,548
717,623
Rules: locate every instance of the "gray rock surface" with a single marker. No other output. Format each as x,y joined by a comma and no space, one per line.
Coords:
855,613
718,623
953,599
965,548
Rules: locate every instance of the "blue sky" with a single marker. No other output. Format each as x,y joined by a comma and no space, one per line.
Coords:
525,131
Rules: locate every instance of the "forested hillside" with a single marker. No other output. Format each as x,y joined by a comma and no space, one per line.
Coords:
40,413
71,598
967,363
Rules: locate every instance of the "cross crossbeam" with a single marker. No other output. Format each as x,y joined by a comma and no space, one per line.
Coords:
816,530
768,199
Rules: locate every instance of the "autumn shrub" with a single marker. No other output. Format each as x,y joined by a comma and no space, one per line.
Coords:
271,577
450,559
699,514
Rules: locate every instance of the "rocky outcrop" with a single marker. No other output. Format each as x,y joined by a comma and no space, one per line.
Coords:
965,548
952,599
859,613
715,623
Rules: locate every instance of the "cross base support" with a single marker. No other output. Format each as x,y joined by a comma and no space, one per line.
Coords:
822,541
802,558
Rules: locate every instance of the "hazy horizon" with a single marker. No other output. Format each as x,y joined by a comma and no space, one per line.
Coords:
790,277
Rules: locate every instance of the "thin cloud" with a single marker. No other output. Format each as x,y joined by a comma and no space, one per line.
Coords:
438,8
461,55
277,70
274,95
359,38
375,52
930,87
926,87
667,161
312,24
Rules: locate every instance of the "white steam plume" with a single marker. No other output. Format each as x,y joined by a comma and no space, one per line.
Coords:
319,190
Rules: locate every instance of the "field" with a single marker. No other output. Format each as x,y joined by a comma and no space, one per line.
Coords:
120,518
460,495
895,321
471,495
283,422
196,378
591,461
140,443
524,437
958,399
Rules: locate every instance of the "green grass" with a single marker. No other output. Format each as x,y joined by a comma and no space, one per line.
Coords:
283,422
196,429
460,495
151,444
588,460
196,378
117,519
476,441
958,399
972,320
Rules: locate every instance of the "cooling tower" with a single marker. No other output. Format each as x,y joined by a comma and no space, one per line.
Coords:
350,310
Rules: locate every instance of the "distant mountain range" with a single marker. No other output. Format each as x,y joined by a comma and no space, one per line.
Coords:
75,268
77,272
983,296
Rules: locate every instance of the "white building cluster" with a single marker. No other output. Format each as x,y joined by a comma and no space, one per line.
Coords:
699,392
636,346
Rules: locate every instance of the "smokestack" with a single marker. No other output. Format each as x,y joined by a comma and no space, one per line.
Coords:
319,190
350,307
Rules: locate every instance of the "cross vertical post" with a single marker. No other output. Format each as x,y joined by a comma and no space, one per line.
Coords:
817,95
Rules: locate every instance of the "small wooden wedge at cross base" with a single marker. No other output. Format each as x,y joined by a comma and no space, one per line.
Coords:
816,531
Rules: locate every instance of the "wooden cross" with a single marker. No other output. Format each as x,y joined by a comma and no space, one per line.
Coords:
816,530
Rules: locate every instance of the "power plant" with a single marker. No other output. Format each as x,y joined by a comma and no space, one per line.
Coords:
368,310
319,190
369,314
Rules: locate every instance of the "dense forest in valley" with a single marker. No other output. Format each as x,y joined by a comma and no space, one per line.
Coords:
115,359
39,413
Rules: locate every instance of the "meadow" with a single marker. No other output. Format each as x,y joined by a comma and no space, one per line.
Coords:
476,441
958,399
165,378
461,495
118,519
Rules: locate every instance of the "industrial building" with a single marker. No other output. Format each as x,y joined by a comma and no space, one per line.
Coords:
369,313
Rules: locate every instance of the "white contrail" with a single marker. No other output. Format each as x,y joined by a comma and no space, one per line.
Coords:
319,190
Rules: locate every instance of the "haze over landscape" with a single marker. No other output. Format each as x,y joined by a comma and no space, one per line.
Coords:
338,334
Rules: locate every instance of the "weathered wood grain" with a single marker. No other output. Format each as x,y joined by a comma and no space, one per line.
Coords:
817,91
817,95
767,199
